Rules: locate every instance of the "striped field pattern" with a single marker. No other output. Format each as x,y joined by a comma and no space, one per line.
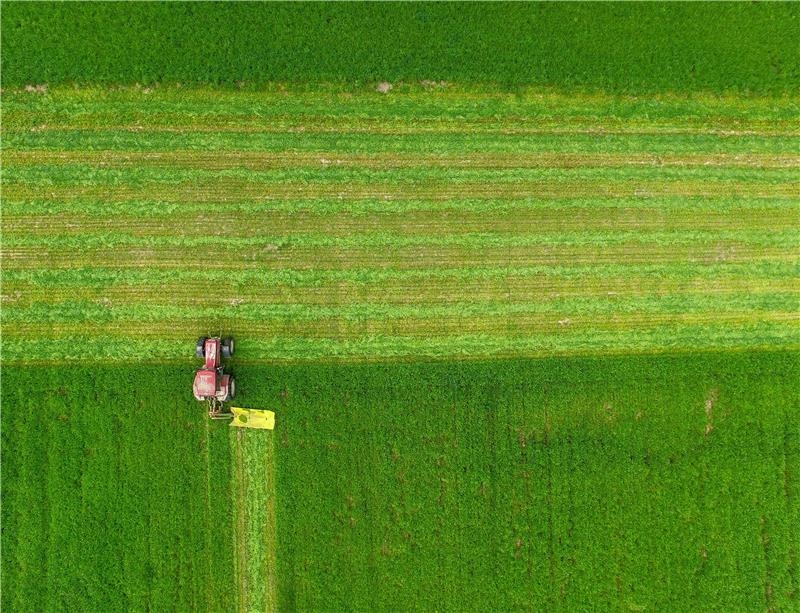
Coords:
360,226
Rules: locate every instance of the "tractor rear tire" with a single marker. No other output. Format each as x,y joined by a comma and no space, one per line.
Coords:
231,389
227,347
200,350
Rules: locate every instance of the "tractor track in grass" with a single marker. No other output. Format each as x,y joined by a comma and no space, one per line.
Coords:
241,521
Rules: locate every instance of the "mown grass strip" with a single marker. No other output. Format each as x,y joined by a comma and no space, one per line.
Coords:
787,238
55,175
573,329
257,537
444,222
456,101
269,257
670,205
454,144
93,313
744,331
260,160
241,190
101,278
424,291
392,125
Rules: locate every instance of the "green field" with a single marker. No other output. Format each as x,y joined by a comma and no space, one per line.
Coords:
563,484
519,280
363,226
629,47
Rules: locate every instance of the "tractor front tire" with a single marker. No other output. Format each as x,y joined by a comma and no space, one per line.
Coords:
227,347
200,350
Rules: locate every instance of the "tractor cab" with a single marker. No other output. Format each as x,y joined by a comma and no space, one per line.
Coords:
210,382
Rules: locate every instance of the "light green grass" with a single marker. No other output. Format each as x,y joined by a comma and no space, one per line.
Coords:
256,522
353,225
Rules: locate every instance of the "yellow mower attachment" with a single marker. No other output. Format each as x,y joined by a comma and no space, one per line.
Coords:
253,418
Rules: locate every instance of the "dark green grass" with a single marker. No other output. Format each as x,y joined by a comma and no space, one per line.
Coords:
115,496
632,483
561,484
617,47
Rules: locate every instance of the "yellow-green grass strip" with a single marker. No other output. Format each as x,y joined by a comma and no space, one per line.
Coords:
391,291
99,277
232,189
391,125
55,175
671,337
263,160
574,328
478,240
454,100
445,222
272,257
453,145
256,521
669,205
90,311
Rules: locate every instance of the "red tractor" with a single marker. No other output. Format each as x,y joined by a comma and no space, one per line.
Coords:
210,383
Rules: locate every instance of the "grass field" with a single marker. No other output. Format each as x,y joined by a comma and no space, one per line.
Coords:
363,226
562,484
629,47
116,493
527,349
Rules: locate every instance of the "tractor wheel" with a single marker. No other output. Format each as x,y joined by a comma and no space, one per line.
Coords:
227,347
231,389
200,350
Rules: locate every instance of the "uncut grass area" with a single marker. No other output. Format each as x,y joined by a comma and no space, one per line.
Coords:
634,483
116,492
431,222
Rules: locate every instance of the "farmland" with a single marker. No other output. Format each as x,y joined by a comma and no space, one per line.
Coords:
614,47
529,327
650,483
362,226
